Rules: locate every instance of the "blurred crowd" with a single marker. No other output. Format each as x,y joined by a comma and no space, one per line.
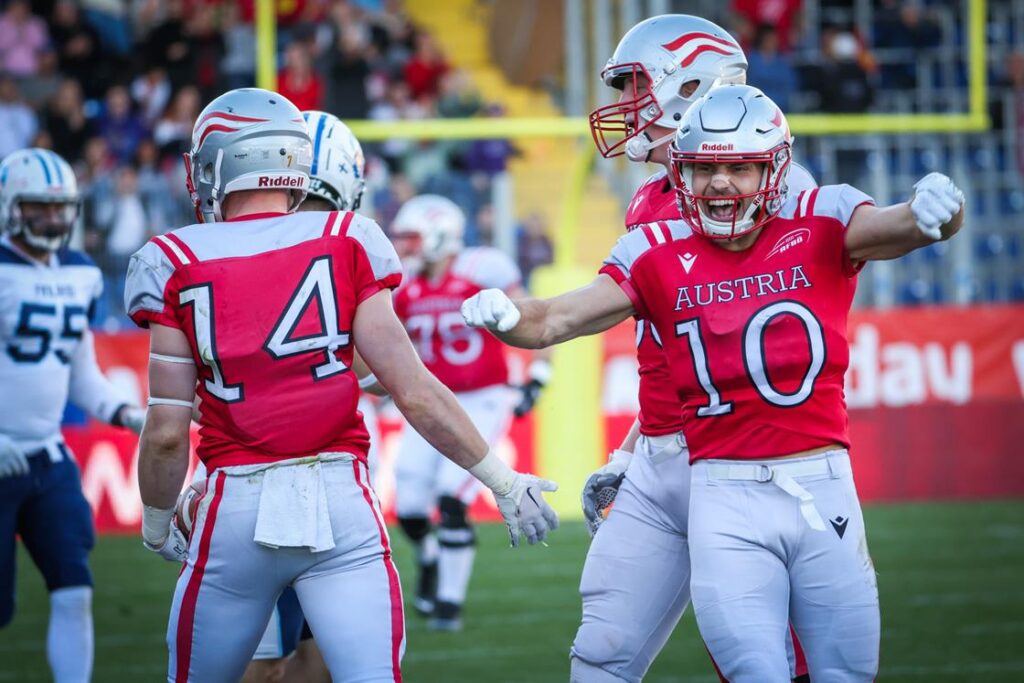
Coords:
115,87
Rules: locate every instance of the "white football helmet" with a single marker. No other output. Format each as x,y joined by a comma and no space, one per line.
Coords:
38,176
338,162
437,221
247,139
669,51
732,124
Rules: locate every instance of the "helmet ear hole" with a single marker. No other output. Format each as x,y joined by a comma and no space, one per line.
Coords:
208,173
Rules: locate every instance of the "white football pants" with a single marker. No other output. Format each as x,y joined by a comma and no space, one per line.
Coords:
350,595
773,541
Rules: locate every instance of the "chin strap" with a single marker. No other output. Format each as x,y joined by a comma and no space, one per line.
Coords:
639,148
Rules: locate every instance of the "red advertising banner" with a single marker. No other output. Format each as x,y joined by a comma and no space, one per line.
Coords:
935,397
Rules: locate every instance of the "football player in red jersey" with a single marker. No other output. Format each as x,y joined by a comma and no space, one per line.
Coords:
265,308
428,236
659,69
750,297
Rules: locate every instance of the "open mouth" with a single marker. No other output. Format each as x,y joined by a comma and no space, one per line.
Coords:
722,209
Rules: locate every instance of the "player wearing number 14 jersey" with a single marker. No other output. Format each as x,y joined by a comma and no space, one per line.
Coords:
428,234
265,309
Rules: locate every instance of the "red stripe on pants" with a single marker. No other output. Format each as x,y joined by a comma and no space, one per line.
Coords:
394,587
187,611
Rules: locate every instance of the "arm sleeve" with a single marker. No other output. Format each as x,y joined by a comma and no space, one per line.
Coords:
145,286
89,388
377,265
619,266
839,202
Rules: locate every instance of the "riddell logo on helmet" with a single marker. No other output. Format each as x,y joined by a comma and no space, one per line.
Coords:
280,181
716,147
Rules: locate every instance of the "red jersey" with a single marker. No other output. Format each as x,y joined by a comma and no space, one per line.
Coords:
654,201
756,340
267,304
463,358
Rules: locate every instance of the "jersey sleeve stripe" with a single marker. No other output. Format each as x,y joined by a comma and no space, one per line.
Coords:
801,205
342,229
176,257
649,234
666,232
810,202
185,249
332,218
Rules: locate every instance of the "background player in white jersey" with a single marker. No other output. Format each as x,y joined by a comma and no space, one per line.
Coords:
288,501
659,69
428,235
759,371
47,296
336,183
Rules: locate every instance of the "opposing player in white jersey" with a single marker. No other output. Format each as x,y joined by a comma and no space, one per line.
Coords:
750,297
659,68
288,501
336,183
428,234
47,297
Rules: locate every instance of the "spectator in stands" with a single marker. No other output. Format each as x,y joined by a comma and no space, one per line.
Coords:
398,105
769,68
784,15
112,23
66,121
239,64
842,84
457,98
298,81
123,218
39,88
18,123
347,68
173,132
119,126
23,39
153,182
205,51
151,92
533,245
79,55
1015,76
906,25
95,180
424,71
167,45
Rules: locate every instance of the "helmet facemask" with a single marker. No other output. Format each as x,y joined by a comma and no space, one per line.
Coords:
614,125
47,222
760,206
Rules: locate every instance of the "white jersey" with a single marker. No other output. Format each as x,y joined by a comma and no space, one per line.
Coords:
48,355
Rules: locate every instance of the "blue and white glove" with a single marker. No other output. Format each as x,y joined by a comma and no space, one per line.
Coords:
602,487
936,200
162,536
13,462
492,309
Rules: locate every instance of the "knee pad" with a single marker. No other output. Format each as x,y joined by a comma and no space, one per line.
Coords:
455,530
582,672
416,528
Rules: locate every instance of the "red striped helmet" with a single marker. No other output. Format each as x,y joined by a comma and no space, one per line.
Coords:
247,139
670,51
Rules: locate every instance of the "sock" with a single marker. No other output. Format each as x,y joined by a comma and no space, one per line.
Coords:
455,565
69,638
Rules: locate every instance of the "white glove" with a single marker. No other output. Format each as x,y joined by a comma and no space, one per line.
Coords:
492,309
601,488
161,535
519,499
13,462
525,510
133,418
936,200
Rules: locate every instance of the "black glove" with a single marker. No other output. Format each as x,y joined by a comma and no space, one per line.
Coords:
531,392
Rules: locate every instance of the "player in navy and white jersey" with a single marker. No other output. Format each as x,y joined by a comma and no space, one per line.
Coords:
47,297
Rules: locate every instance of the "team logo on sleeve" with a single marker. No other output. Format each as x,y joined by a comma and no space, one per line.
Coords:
788,241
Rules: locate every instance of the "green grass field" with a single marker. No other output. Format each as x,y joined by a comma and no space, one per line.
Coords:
951,577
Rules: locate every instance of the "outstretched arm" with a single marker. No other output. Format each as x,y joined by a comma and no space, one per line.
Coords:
935,212
537,323
91,390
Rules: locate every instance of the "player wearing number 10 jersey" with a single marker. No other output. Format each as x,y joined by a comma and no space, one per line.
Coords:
265,309
750,297
428,235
